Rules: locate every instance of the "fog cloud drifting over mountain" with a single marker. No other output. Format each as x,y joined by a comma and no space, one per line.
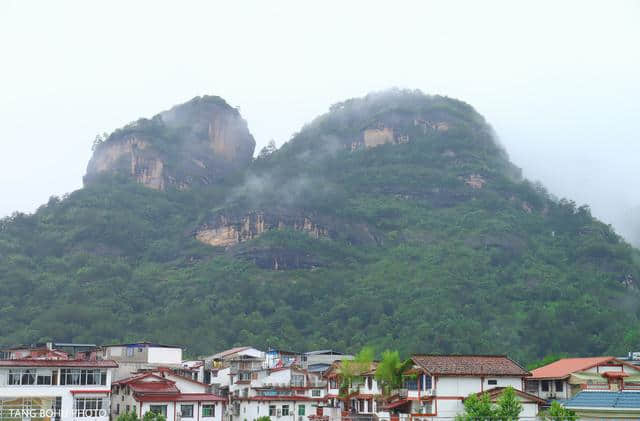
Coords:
558,81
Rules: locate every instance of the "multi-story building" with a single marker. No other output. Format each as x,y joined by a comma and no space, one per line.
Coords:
134,357
359,399
48,385
436,386
170,394
282,393
565,378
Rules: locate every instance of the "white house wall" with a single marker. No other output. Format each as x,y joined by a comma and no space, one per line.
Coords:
157,355
55,391
173,409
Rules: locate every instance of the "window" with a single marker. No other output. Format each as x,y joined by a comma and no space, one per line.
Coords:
285,410
186,411
531,386
44,377
117,408
88,407
544,385
559,385
244,376
333,384
129,352
316,393
426,382
159,409
492,382
369,383
361,405
133,409
272,410
22,376
128,408
208,410
301,410
410,384
83,377
297,380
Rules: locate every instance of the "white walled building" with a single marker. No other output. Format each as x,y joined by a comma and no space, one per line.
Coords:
361,398
283,393
134,357
60,389
437,385
162,391
565,378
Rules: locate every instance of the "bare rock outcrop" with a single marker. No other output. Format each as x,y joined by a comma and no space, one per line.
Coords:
193,143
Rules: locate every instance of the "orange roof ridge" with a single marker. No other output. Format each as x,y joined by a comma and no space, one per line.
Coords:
565,366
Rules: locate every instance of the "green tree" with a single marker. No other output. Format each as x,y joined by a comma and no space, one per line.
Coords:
558,412
153,416
128,416
263,418
477,408
351,370
389,371
509,406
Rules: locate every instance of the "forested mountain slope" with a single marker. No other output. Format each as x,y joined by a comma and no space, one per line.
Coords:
394,220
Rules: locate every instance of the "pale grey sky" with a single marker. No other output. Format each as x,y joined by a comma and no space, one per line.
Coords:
559,81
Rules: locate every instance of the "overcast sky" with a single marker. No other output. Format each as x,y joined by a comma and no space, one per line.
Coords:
559,81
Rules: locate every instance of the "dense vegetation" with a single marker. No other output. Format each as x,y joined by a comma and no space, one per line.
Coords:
445,266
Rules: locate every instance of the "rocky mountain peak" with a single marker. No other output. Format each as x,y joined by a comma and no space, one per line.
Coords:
197,142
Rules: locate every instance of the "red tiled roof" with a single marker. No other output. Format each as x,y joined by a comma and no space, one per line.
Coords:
59,363
469,365
564,367
229,352
397,403
282,398
154,387
615,374
495,392
182,397
140,376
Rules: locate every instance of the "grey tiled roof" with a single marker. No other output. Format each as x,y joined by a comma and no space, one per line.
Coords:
620,400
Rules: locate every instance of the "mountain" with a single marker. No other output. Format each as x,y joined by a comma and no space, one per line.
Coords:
198,142
395,220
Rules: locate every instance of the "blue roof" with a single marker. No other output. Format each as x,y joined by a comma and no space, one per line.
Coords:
617,400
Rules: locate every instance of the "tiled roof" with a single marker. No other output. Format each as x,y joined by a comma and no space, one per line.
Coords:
59,363
564,367
469,365
154,387
611,400
495,392
229,352
182,397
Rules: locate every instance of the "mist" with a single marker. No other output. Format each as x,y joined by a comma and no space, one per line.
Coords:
558,81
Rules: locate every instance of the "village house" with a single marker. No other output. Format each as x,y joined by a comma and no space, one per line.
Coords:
47,384
134,357
321,360
436,386
359,399
282,393
170,394
565,378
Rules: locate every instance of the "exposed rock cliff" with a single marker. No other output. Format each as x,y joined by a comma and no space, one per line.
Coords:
193,143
